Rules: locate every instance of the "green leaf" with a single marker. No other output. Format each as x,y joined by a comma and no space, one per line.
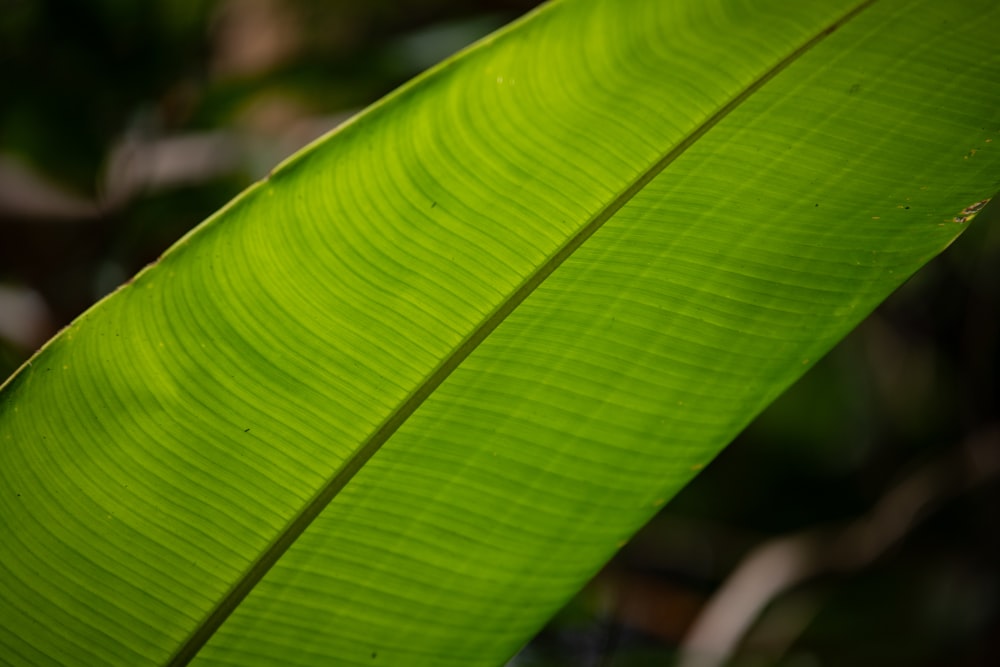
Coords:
398,401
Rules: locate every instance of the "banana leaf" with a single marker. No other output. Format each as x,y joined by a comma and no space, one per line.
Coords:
399,400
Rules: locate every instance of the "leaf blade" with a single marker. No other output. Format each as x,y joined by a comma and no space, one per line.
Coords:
229,479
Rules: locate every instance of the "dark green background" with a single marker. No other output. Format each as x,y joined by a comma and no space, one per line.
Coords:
207,96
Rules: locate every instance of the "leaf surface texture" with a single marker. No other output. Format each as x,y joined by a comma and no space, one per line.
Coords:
397,402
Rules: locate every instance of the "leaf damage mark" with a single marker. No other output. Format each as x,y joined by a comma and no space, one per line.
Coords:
970,211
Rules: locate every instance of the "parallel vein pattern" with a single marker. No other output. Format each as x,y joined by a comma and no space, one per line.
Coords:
473,340
173,442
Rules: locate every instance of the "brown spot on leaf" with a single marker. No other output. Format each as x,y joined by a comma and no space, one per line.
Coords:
970,211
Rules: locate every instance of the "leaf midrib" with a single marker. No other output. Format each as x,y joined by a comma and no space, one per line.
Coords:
298,524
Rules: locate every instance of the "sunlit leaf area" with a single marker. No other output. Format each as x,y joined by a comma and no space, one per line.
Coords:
853,523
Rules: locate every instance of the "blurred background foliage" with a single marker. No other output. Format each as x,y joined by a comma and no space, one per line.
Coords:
855,522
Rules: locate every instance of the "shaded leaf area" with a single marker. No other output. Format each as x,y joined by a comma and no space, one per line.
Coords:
917,379
914,389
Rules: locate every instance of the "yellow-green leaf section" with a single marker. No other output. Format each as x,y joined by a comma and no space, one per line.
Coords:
394,404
